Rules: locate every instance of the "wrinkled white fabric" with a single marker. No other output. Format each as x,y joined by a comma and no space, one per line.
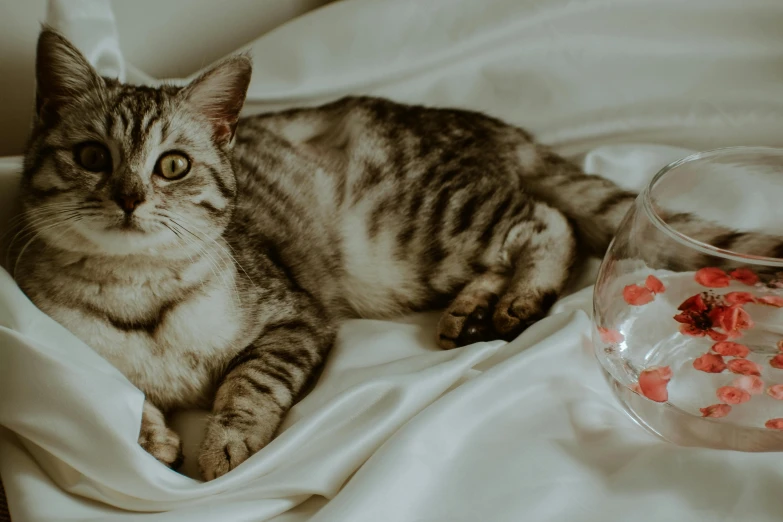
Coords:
90,26
397,430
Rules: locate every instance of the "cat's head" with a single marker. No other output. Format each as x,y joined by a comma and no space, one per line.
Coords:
116,169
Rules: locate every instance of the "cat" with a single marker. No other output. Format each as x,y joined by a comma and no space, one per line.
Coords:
211,258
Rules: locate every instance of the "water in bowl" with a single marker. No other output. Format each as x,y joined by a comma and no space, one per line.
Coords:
717,395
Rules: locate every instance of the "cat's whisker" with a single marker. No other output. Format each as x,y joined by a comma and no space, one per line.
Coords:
39,220
48,209
24,248
21,218
230,254
36,212
217,271
43,218
204,244
181,239
31,227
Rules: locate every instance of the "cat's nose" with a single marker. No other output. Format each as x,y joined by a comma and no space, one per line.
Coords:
129,202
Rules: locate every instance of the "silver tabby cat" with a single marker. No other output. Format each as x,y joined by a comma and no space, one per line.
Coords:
210,259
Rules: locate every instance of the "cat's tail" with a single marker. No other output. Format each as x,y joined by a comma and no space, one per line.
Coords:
597,206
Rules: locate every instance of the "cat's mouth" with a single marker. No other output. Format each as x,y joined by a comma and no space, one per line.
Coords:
129,224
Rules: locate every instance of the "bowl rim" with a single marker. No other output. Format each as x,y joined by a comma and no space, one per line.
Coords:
686,240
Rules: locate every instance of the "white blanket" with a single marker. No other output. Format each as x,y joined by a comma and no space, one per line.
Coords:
397,430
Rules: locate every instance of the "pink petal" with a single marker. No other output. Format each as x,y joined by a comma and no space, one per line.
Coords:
653,383
731,349
776,391
771,300
744,367
732,395
715,411
684,318
710,363
750,383
654,285
774,424
739,298
745,275
717,336
636,295
694,303
744,322
610,336
731,318
712,277
777,361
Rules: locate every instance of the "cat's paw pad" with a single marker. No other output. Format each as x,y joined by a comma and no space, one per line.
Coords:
225,447
468,320
517,312
162,443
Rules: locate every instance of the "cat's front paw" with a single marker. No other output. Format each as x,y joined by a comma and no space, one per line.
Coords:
468,320
517,311
226,445
162,443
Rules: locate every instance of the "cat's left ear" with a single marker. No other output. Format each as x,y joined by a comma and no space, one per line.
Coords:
220,93
62,74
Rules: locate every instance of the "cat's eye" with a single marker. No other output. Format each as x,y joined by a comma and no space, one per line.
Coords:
173,165
93,157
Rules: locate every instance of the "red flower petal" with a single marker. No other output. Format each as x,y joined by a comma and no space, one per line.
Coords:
774,424
776,392
745,275
740,319
712,277
653,383
710,363
731,349
744,367
731,318
654,285
777,361
689,329
715,411
717,336
732,395
771,300
683,318
739,298
716,315
610,336
694,303
637,295
750,383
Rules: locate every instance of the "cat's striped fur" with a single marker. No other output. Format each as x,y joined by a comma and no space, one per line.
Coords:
223,289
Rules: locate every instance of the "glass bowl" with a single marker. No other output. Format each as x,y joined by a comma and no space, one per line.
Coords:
688,308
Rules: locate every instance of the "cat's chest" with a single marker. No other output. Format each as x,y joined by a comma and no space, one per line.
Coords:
169,344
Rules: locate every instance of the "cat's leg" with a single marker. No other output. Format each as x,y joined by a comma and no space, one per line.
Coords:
468,319
499,304
542,253
157,439
259,387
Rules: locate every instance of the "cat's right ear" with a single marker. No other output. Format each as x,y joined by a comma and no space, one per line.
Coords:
219,93
62,73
